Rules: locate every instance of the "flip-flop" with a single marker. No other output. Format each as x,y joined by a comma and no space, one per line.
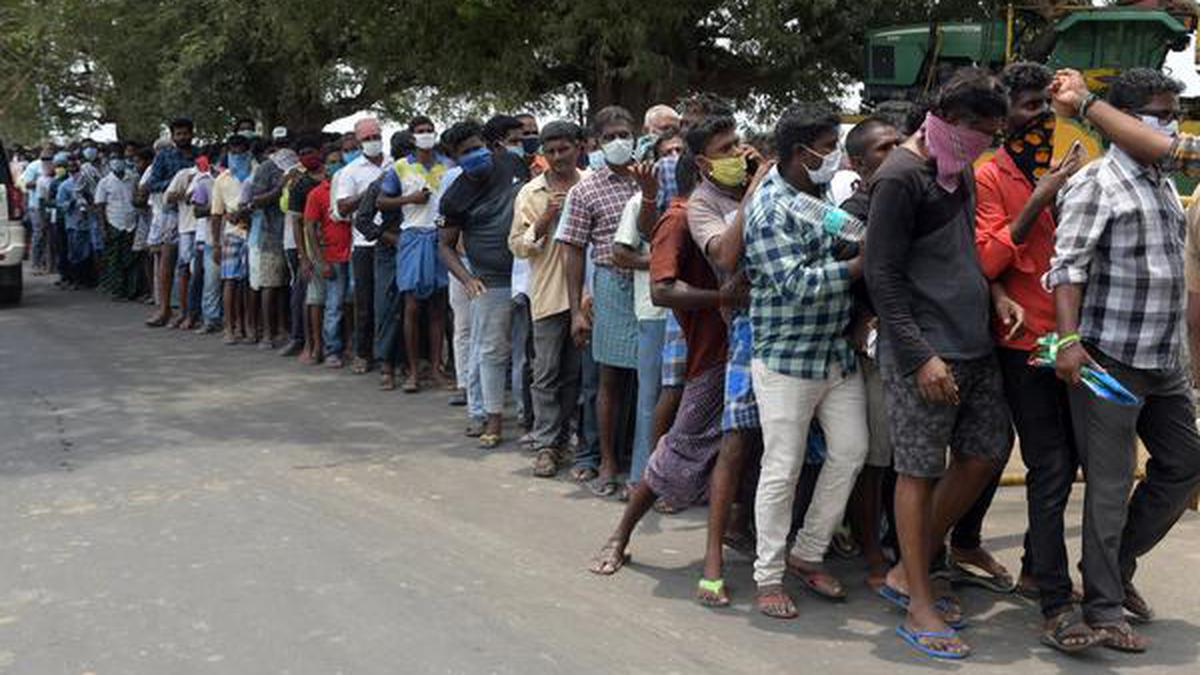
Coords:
900,600
820,582
597,567
711,593
914,638
604,487
970,573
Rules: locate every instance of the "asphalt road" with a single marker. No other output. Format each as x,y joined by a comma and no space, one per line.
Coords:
170,505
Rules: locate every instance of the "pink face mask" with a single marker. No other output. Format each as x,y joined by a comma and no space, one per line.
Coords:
953,148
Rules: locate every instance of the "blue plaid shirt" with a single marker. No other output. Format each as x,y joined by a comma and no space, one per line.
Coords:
799,295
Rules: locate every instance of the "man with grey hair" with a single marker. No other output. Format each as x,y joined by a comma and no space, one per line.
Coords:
660,119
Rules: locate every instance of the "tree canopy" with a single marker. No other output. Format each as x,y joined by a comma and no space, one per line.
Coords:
304,62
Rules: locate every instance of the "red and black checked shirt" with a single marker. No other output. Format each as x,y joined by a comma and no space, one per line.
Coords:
594,208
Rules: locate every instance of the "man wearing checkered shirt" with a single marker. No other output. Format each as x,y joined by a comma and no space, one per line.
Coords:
1118,282
803,365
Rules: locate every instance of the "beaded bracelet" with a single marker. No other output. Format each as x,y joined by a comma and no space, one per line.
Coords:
1087,103
1067,340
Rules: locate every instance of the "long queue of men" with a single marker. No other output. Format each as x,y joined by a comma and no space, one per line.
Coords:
799,325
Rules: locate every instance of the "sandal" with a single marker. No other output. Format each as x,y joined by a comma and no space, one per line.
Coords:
489,441
475,429
584,474
387,380
817,580
1120,637
545,464
360,366
604,487
1068,633
410,386
711,593
937,644
610,559
1137,606
774,602
990,575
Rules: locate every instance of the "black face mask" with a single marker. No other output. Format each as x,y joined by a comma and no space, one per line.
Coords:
531,144
1032,148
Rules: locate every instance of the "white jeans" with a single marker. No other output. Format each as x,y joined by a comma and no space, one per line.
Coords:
786,407
460,304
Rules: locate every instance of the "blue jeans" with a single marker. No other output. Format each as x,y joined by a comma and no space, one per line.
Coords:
210,302
491,323
337,294
649,374
522,374
587,455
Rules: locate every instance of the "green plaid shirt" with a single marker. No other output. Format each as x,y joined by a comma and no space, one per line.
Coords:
800,296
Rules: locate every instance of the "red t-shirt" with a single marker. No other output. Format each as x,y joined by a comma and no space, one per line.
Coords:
1002,191
335,234
674,256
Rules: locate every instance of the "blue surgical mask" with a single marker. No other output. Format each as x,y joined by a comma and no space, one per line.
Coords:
116,165
516,150
596,159
332,168
476,163
351,155
89,154
239,164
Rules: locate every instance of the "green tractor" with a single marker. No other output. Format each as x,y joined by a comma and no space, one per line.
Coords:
906,62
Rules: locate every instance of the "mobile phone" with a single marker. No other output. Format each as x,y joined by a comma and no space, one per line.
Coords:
1076,149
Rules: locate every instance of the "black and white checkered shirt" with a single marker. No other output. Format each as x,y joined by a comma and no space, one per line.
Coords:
1121,236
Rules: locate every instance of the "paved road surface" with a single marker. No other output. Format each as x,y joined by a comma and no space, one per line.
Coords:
171,505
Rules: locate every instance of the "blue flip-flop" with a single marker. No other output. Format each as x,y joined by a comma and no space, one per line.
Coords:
913,638
900,600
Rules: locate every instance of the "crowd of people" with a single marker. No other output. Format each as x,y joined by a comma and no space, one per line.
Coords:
793,327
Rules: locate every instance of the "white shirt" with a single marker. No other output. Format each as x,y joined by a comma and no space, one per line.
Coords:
178,189
201,223
628,234
520,277
843,185
116,194
350,183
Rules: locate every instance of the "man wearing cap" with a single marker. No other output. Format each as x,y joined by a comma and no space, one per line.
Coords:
362,169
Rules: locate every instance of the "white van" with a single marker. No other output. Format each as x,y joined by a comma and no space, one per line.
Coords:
12,233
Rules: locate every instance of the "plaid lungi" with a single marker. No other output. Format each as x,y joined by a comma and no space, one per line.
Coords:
674,354
741,408
141,230
679,468
615,330
234,264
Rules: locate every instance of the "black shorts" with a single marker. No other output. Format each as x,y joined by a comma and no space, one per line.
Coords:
980,425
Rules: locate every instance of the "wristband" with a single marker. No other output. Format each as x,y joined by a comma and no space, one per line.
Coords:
1085,104
1067,341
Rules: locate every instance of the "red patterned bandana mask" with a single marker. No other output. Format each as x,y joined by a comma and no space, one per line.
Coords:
1032,147
953,148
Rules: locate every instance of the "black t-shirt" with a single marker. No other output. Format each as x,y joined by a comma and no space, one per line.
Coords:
859,206
298,193
922,268
484,210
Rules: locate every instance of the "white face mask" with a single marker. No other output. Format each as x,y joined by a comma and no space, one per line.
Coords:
425,141
372,148
1170,129
830,164
618,152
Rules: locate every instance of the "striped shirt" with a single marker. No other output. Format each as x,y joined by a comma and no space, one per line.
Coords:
799,294
1121,236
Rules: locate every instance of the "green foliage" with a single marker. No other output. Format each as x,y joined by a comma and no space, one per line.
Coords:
304,62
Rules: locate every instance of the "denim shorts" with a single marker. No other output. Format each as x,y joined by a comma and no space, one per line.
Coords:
187,250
